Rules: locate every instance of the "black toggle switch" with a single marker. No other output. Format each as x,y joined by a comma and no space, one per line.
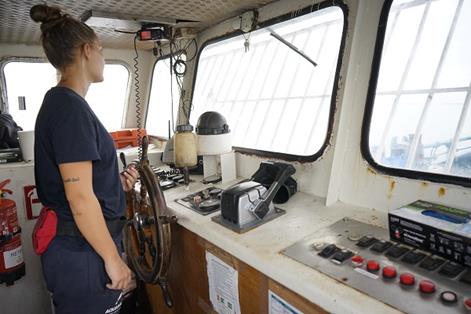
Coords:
342,256
381,246
413,257
451,269
397,251
328,251
366,241
466,278
431,263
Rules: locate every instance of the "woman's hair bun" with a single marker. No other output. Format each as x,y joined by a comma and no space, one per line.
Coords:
44,13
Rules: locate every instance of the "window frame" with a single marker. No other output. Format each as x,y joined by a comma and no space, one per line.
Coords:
160,58
4,104
368,114
282,18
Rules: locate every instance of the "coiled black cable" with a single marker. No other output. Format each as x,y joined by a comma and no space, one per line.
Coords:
171,92
179,68
138,99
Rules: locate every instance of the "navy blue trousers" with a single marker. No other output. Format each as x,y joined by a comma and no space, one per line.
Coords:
75,275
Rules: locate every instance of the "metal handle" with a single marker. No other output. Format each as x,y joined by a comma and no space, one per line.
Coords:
280,179
123,159
4,183
262,206
166,293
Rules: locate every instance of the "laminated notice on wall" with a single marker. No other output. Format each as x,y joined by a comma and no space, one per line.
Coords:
223,286
277,305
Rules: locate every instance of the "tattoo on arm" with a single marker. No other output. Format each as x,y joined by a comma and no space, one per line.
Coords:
72,180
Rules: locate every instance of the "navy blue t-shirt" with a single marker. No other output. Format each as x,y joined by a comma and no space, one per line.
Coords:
67,130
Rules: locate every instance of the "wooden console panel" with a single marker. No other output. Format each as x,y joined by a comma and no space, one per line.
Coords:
188,281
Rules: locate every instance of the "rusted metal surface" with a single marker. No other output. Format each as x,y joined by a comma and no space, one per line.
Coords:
441,192
370,170
391,187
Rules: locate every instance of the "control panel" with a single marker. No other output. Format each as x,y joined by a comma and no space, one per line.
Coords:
362,256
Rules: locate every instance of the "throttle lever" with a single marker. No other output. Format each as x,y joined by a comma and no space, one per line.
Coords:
262,205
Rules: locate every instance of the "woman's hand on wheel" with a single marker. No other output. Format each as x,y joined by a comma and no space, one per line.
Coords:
119,273
128,178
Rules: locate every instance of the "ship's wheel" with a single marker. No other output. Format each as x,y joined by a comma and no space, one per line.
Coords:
147,232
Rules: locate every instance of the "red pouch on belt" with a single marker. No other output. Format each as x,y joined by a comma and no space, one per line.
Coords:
44,230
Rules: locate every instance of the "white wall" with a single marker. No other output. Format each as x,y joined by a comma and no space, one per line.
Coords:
28,294
355,181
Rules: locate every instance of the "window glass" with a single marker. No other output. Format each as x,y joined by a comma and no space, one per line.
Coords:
108,98
32,80
273,98
421,119
163,105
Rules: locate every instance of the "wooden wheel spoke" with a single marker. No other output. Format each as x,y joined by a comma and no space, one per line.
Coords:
150,245
147,235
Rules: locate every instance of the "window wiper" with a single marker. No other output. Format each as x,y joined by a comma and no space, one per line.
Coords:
290,45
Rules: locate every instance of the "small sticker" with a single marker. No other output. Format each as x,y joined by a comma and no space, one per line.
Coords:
277,305
366,273
13,257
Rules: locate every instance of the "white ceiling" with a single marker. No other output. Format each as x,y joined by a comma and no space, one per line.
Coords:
17,27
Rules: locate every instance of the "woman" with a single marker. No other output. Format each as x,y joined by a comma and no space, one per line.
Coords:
76,172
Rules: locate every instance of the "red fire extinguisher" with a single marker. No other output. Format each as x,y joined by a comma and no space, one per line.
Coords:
12,266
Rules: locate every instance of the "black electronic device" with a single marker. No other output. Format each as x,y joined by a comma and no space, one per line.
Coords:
204,202
249,203
154,33
10,155
168,178
236,200
439,229
266,174
408,279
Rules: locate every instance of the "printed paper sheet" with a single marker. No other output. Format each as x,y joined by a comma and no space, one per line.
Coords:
223,286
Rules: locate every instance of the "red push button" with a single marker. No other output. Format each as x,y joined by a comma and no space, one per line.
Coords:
426,286
407,279
389,272
467,304
357,260
372,266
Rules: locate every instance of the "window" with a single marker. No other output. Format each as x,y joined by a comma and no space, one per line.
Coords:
108,98
32,79
420,119
163,105
273,98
